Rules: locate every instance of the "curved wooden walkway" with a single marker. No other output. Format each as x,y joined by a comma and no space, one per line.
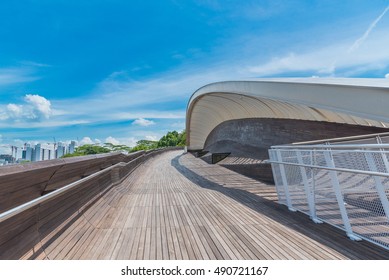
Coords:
176,206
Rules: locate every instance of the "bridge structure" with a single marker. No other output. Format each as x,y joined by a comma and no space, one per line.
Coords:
219,199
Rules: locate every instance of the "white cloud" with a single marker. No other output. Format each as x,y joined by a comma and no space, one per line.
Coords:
85,140
365,35
151,138
28,124
97,141
40,105
121,94
14,111
292,62
36,107
3,115
179,114
122,98
387,76
112,140
9,76
356,45
5,150
130,141
343,56
143,122
34,64
179,125
324,60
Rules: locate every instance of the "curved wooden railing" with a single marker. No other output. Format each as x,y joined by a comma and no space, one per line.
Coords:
26,229
25,182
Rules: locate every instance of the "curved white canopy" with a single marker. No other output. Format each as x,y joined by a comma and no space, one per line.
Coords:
352,101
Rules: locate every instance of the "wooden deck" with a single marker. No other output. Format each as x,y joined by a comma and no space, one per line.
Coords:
177,206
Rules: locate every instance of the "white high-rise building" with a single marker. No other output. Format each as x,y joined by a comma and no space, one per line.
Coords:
29,153
37,153
45,154
72,147
60,150
43,151
17,152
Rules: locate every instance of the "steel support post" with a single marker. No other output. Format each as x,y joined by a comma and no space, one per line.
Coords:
308,189
285,182
378,184
383,155
273,157
339,196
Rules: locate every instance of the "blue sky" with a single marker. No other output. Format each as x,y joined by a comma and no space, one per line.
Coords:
121,71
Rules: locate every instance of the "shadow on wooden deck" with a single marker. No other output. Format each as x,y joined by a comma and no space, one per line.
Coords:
322,233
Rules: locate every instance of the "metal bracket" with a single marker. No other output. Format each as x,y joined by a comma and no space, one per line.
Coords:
354,237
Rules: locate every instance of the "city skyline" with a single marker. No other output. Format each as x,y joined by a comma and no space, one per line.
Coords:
119,72
37,152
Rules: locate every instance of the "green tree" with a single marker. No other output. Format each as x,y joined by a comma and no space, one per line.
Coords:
172,139
92,149
169,140
144,145
88,149
117,148
182,139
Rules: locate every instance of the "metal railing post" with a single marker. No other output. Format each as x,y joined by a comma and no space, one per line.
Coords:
339,197
378,184
312,154
285,182
273,157
383,155
308,189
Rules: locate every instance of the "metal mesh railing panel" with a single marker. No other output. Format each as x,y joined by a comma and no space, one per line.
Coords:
348,189
326,203
296,188
365,210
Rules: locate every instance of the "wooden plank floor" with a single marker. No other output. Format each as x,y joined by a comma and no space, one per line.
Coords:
176,206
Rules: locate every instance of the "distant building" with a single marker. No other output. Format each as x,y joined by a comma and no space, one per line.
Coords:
6,159
29,153
37,153
72,147
45,154
61,150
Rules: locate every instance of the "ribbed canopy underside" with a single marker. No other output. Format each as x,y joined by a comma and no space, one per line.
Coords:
351,101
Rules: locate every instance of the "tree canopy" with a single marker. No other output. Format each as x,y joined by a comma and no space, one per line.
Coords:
145,145
88,149
171,139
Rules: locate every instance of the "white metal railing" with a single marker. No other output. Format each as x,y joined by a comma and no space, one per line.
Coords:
345,185
376,138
